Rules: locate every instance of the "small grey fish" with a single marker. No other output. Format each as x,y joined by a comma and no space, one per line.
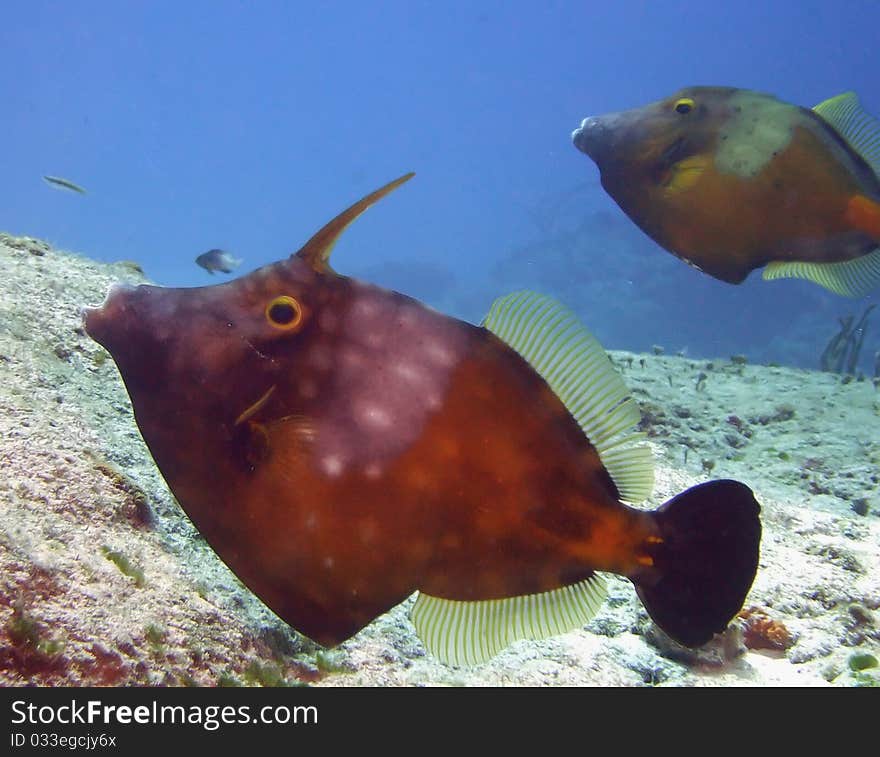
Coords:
218,260
57,181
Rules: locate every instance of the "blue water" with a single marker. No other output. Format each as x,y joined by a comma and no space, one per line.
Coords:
247,126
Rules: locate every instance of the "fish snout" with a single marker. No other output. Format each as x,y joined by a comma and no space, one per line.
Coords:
590,135
98,321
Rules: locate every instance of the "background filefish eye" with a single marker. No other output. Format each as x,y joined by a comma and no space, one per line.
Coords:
284,312
684,105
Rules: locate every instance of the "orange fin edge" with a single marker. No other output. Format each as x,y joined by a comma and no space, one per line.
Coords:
863,213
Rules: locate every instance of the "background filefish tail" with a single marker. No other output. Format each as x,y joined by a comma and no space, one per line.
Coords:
468,633
852,278
706,560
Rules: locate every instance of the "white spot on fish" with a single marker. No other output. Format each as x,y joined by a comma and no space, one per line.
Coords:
373,471
320,358
329,562
352,358
407,316
439,354
365,307
408,371
376,417
757,130
311,521
332,465
308,389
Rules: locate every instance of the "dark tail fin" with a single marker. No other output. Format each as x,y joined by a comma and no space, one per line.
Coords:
705,562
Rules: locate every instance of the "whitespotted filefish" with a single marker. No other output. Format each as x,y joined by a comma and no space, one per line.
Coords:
341,446
731,180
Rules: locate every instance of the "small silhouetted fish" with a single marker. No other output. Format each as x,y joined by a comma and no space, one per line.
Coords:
218,260
340,446
59,183
731,180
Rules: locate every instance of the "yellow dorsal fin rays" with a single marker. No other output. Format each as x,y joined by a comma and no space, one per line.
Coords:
852,278
468,633
684,174
577,369
317,250
860,129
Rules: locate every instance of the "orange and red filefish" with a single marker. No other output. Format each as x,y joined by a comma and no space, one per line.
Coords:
341,446
732,180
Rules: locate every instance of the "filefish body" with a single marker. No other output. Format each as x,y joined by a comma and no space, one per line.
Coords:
732,180
218,260
341,446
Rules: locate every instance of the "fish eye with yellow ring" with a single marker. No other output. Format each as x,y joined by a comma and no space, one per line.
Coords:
684,105
284,313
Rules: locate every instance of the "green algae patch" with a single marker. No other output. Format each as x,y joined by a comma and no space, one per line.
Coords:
125,566
25,632
269,676
330,662
155,635
862,661
228,681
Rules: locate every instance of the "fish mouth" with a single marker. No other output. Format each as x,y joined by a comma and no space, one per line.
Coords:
590,135
98,321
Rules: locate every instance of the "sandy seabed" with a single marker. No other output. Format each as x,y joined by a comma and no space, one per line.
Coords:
103,581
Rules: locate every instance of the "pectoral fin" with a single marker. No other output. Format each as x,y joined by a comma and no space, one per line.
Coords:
684,174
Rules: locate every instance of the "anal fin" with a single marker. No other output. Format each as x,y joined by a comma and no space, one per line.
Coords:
468,633
851,278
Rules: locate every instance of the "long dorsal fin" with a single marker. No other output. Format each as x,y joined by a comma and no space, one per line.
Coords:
317,250
855,125
468,633
555,343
